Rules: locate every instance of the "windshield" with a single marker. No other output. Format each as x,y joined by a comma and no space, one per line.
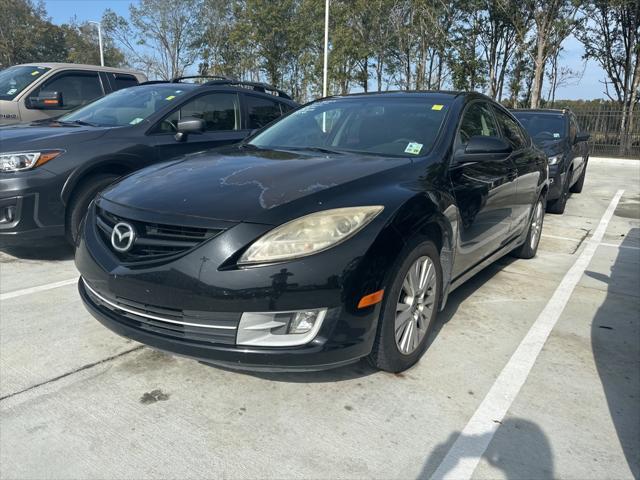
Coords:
13,80
128,106
376,125
543,126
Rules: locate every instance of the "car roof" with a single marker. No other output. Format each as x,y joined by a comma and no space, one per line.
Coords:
79,66
408,93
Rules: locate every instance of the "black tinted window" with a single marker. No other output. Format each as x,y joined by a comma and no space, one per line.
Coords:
261,111
77,88
220,111
511,130
543,126
120,81
477,121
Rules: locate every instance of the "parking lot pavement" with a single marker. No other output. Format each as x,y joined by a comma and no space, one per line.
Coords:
79,402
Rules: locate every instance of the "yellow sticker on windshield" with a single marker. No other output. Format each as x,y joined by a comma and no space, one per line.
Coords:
437,107
35,72
170,97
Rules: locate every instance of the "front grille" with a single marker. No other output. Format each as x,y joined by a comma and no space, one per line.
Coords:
193,325
153,240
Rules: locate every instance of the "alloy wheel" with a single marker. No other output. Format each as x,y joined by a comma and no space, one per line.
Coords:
536,225
414,309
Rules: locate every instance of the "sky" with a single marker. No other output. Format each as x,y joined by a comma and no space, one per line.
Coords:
589,86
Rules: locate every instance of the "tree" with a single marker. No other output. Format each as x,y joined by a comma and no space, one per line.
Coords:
161,37
612,38
81,41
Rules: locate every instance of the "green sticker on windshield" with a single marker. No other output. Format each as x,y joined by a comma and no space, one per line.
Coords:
170,97
413,148
35,72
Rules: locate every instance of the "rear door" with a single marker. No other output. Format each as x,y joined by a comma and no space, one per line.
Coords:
578,149
485,192
261,110
526,162
221,112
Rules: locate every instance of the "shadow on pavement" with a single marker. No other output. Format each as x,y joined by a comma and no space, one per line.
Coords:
519,448
615,340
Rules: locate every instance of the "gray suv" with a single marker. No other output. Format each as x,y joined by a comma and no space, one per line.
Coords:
43,90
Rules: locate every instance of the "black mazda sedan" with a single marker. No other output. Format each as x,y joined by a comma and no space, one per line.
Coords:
334,234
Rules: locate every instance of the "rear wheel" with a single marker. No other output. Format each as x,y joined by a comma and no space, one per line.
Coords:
80,201
577,187
409,310
530,246
557,206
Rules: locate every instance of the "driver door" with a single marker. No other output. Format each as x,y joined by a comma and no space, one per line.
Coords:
223,125
485,192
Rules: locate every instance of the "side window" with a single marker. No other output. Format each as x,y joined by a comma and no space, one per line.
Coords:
220,112
120,81
77,88
512,132
261,111
477,120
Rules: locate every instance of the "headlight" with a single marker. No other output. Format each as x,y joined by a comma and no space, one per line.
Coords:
16,161
309,234
555,159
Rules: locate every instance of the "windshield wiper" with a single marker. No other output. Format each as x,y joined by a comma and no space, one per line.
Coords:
314,149
78,122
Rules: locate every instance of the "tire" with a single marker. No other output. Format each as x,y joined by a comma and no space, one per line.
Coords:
386,353
80,201
577,187
557,206
530,246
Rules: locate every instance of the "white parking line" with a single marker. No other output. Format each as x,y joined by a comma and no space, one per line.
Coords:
40,288
613,245
464,455
558,237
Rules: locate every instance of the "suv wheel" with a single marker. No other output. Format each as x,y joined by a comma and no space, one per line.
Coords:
80,201
409,309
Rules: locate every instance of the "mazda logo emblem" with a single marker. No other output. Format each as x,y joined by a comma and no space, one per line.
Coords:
122,237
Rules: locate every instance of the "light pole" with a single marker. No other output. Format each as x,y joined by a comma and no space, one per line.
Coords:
99,42
326,47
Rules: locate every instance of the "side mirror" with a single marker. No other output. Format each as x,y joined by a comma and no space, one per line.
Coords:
47,101
582,137
189,125
482,148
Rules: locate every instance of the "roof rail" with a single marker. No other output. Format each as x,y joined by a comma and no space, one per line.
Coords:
154,82
257,86
188,77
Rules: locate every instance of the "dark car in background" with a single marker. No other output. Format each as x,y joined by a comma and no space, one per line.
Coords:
556,132
51,170
334,234
36,91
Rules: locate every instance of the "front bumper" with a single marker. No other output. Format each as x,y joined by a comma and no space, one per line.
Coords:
196,285
30,208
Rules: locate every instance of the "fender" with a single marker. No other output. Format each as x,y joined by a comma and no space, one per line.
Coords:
120,164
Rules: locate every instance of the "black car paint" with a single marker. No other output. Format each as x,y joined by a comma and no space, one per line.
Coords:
573,153
467,210
43,193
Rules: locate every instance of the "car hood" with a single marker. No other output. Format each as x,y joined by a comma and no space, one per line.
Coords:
51,135
551,147
239,186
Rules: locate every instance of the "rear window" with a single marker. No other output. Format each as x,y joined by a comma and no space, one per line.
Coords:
14,80
262,111
543,126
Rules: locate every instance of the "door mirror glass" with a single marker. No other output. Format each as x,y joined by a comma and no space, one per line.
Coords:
189,125
480,148
47,100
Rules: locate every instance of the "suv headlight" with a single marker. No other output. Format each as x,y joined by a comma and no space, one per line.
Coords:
17,161
309,234
555,159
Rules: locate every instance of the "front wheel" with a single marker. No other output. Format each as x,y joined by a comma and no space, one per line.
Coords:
410,306
530,246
